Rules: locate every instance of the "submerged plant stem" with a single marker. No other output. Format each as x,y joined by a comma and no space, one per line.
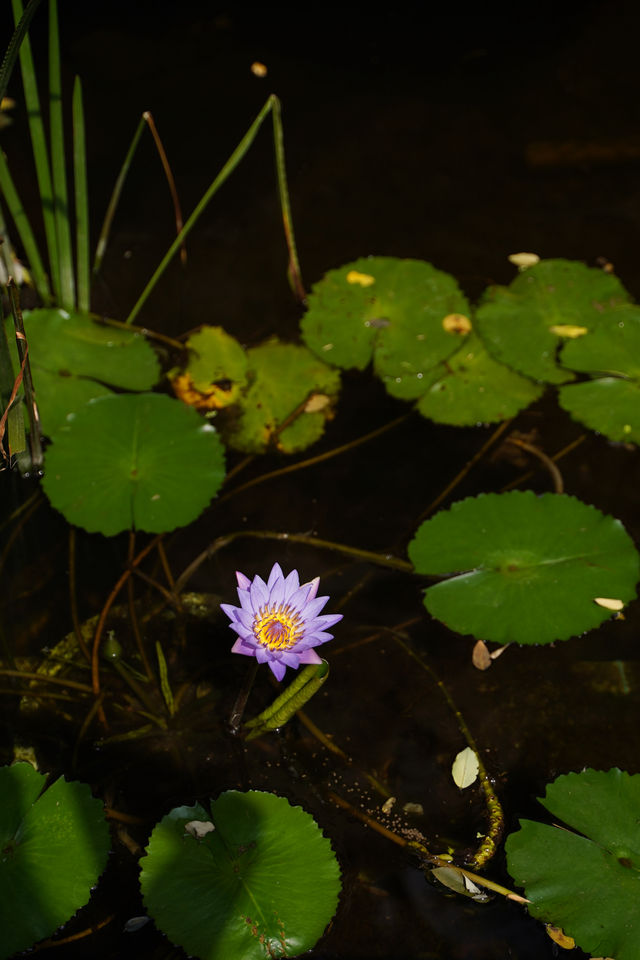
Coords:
489,844
556,476
237,711
73,597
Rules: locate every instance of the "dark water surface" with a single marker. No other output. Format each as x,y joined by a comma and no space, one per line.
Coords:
454,140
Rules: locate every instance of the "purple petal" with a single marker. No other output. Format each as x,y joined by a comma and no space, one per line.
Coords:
243,582
245,600
245,618
242,631
259,593
229,609
277,593
319,623
240,647
276,574
314,607
262,654
291,659
298,599
291,584
278,669
310,656
313,588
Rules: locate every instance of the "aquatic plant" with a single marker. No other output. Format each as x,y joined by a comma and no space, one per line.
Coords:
278,622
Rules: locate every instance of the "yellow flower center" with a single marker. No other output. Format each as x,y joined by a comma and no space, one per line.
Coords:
277,628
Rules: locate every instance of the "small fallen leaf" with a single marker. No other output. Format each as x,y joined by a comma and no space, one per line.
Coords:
481,658
413,808
364,279
456,880
258,69
199,828
456,323
465,768
523,260
609,603
568,330
558,936
316,402
387,806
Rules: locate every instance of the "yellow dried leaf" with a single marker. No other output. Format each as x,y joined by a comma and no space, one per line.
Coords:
609,603
364,279
559,936
568,330
258,69
465,768
456,323
523,260
388,804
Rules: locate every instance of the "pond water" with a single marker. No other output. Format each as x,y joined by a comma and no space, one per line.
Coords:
448,145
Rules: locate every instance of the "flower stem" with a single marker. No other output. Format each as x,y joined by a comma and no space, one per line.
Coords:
235,717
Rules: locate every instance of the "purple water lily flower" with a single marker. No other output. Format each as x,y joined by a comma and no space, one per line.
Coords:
277,622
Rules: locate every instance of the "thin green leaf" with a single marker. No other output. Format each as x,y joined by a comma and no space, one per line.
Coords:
165,686
10,57
226,171
81,199
27,238
58,165
40,152
103,239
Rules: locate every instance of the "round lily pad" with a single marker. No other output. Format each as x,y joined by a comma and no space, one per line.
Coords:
290,396
525,324
524,568
585,881
388,310
140,461
216,371
54,847
263,883
610,402
472,387
74,359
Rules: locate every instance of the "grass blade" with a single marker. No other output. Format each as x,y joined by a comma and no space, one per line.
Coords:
81,199
105,230
58,165
27,238
228,168
40,152
13,49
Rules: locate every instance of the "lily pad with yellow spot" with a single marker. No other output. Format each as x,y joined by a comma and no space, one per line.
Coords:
216,371
517,322
388,311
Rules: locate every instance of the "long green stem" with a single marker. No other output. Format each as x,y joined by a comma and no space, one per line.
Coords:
81,199
40,153
35,436
294,272
58,165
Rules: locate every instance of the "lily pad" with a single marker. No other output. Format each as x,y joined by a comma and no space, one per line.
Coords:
74,359
54,847
585,881
388,310
516,321
263,883
140,461
610,402
524,568
216,372
472,387
290,396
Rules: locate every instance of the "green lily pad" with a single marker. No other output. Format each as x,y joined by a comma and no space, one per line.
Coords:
388,310
524,568
610,402
216,372
263,883
515,322
587,881
74,359
54,847
472,387
127,461
290,396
